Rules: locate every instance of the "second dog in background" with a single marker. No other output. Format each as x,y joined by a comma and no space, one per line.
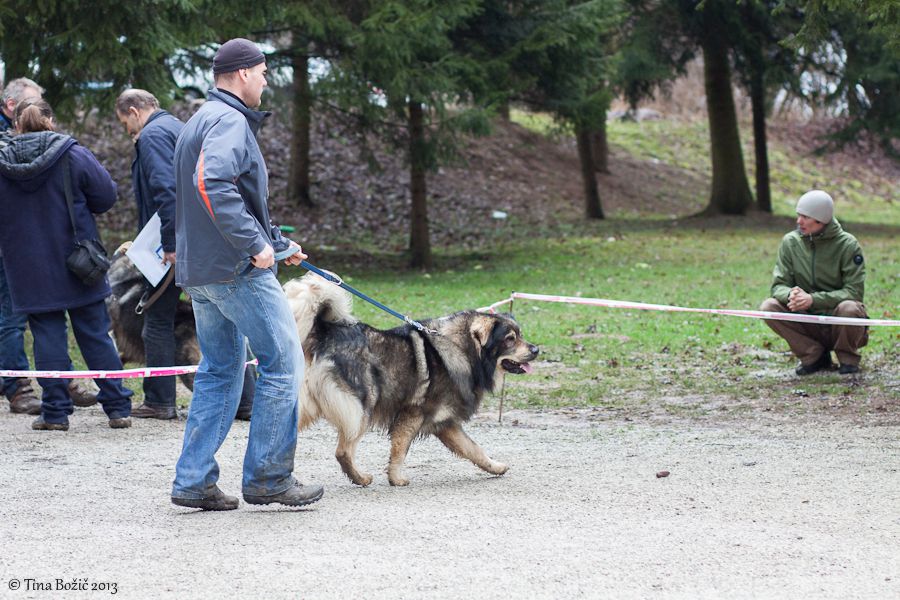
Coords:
127,285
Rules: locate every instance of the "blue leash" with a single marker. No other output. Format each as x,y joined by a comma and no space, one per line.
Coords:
359,294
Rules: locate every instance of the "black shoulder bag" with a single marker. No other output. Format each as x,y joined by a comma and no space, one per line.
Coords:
88,261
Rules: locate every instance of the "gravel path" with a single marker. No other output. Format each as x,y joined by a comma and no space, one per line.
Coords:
793,509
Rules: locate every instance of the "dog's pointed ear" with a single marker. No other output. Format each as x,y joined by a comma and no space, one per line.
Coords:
482,326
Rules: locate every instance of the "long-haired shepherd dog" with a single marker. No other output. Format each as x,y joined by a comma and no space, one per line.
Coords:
407,383
128,285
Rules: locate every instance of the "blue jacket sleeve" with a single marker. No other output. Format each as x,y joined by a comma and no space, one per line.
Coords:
157,155
221,162
93,180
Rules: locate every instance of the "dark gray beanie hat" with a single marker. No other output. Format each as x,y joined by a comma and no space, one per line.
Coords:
236,54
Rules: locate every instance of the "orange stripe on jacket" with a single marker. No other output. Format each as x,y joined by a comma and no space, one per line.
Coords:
201,185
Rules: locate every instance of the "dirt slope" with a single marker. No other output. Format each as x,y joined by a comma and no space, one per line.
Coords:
533,178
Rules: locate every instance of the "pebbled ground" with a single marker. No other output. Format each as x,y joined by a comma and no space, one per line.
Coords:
783,509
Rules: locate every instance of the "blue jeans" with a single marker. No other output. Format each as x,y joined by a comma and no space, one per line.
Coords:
90,323
12,337
158,334
252,307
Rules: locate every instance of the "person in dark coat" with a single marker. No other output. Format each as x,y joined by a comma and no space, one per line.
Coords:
19,390
155,132
36,237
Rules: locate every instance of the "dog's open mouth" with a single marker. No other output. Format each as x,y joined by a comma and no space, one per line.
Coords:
511,366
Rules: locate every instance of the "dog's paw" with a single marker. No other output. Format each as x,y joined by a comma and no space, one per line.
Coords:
398,481
364,479
498,468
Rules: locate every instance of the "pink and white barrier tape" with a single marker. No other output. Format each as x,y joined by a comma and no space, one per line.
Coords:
123,374
752,314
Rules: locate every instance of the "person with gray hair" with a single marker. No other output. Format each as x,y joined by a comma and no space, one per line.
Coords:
15,91
820,270
18,390
155,132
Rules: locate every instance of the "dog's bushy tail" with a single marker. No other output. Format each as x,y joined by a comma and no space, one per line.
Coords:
312,296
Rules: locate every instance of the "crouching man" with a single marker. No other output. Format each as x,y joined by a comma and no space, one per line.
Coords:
820,270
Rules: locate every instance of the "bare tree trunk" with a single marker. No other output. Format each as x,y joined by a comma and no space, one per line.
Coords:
730,191
419,244
600,148
298,177
503,111
593,209
760,144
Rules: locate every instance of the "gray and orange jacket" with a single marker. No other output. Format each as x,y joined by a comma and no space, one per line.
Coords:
828,265
221,192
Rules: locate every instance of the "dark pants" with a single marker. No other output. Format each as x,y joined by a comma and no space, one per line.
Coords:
51,353
12,338
158,334
809,341
159,346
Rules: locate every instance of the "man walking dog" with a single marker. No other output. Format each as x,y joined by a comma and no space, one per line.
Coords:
155,132
225,258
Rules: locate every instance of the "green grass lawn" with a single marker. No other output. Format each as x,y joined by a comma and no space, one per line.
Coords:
594,356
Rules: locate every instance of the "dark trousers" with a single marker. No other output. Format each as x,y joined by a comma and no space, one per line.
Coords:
809,341
158,333
12,338
90,324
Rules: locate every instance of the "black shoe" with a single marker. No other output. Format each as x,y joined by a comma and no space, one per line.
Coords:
41,425
120,423
848,369
215,499
148,411
824,362
243,414
296,495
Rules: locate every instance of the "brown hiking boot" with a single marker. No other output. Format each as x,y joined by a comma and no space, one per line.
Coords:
148,411
215,499
24,400
81,396
40,424
296,495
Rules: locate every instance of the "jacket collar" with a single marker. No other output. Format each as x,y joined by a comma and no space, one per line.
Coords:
255,118
156,114
831,231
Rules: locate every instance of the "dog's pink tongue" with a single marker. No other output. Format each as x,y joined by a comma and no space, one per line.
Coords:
526,367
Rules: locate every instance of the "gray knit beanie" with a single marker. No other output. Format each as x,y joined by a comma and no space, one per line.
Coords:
236,54
816,204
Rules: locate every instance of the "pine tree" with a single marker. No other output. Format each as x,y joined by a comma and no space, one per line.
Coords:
403,78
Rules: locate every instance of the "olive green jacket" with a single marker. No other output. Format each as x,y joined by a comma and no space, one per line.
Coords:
828,265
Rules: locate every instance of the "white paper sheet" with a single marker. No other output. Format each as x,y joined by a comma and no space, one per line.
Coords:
146,252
